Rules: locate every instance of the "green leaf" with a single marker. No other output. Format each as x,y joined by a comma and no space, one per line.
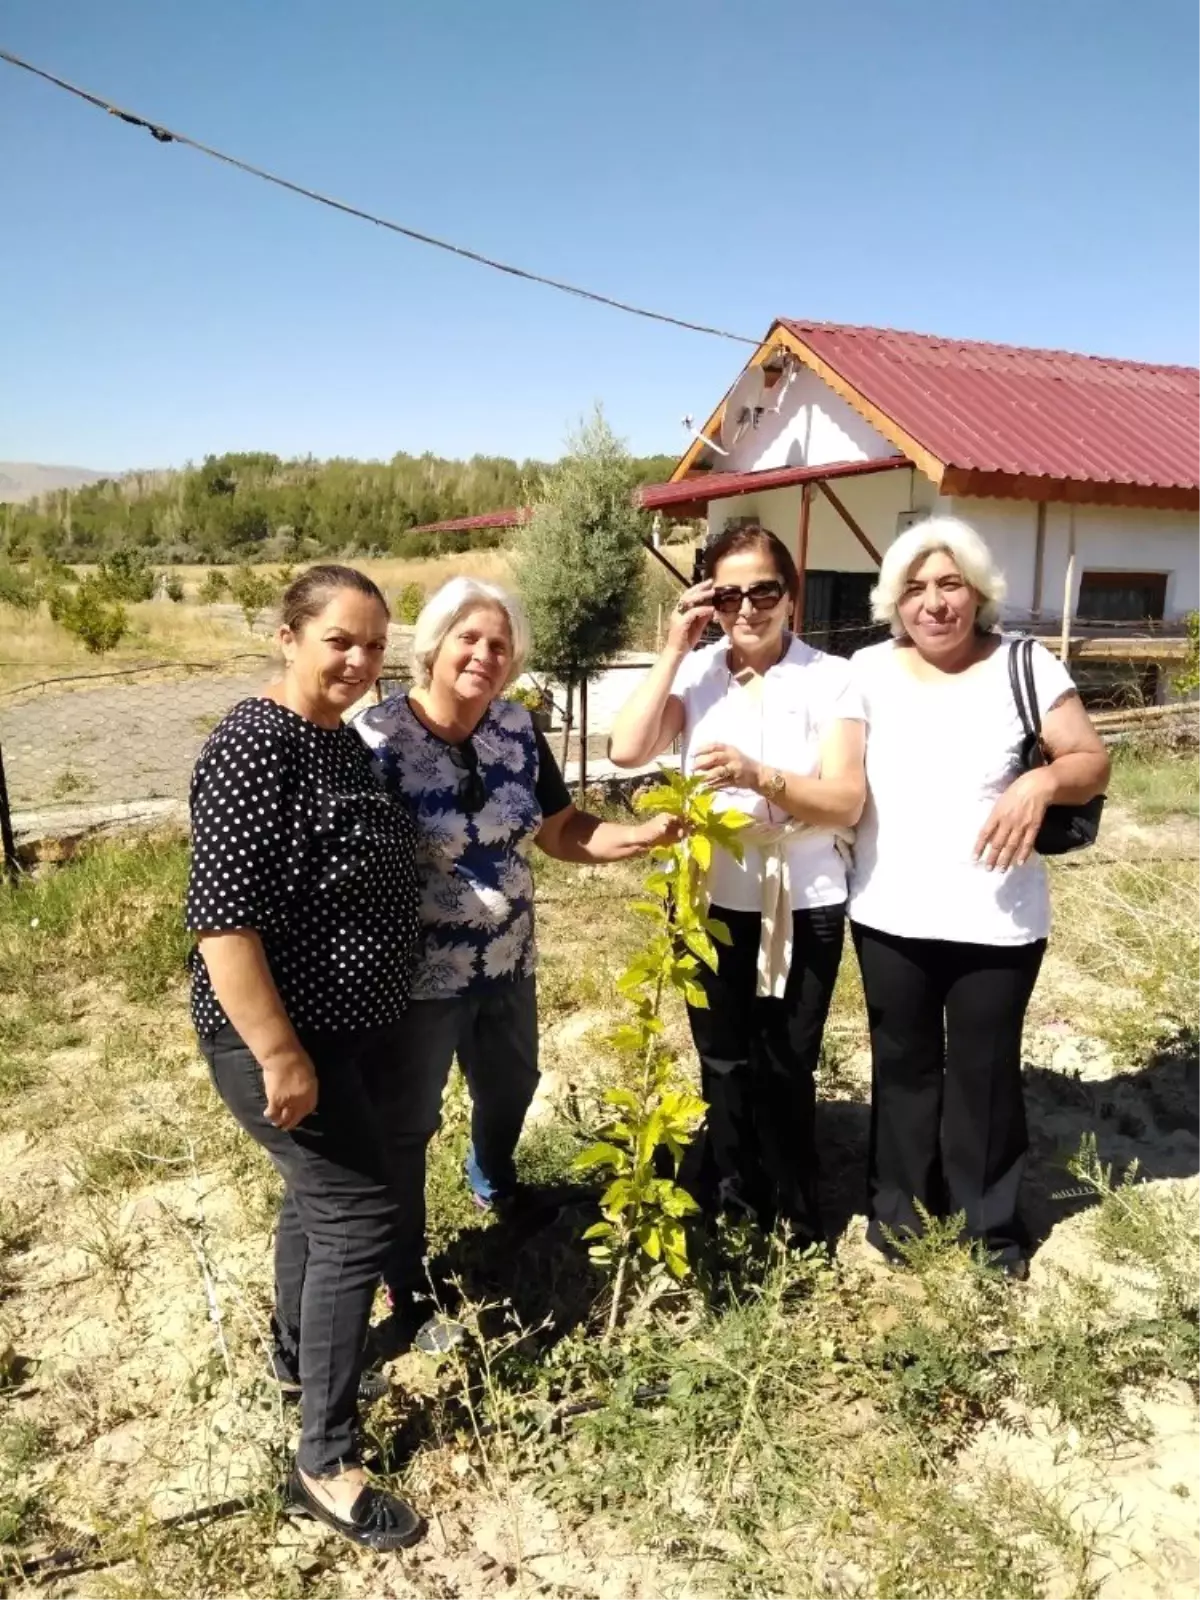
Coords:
701,851
625,1098
701,945
601,1155
695,996
650,1239
599,1230
661,798
719,930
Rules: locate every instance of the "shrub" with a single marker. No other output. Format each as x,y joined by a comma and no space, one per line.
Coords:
215,587
252,591
125,576
100,626
174,587
18,589
409,603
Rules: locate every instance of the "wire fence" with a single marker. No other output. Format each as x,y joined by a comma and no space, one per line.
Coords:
83,751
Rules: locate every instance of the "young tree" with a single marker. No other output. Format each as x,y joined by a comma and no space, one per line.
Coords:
580,559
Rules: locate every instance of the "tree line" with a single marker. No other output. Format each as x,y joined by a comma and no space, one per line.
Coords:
254,506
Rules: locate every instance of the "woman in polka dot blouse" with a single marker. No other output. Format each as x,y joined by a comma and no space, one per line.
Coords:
303,900
484,789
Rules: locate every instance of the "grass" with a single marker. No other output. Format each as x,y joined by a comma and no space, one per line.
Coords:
35,648
1154,783
786,1425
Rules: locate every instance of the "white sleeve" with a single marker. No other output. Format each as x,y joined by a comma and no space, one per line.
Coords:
843,700
688,674
1051,679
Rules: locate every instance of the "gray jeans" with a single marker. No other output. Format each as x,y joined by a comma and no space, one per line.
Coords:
353,1211
494,1033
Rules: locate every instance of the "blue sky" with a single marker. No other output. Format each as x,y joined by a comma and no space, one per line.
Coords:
1018,170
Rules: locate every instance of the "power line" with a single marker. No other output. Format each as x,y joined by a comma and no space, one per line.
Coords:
171,136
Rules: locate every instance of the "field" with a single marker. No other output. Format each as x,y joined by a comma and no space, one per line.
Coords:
782,1427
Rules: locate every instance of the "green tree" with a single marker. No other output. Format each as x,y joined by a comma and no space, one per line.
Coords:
86,614
581,556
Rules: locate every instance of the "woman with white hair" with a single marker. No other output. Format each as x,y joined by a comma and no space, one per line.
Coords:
483,786
949,903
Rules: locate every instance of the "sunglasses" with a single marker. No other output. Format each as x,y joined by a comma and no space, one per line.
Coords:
471,791
762,597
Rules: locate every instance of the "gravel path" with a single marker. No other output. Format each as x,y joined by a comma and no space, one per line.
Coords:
124,740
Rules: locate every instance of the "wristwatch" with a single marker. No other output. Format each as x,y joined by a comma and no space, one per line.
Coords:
772,784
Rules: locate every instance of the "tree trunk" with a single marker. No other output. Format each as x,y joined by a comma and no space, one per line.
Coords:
583,741
568,713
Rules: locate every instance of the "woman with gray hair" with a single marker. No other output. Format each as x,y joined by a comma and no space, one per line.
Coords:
949,903
483,786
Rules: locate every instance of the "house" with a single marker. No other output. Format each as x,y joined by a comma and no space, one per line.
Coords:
1080,471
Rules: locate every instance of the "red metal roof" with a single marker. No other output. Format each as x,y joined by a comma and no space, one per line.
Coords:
488,519
704,486
991,408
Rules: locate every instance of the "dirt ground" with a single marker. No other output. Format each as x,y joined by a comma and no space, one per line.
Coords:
137,1300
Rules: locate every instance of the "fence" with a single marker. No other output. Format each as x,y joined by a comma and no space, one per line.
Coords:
83,752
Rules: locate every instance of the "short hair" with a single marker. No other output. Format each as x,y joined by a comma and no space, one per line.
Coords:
452,601
752,535
308,595
970,554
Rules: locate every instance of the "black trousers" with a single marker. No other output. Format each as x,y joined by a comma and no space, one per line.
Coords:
353,1212
947,1110
758,1060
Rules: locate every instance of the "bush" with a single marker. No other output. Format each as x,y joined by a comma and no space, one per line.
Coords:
409,602
174,588
98,625
215,587
125,576
252,591
18,589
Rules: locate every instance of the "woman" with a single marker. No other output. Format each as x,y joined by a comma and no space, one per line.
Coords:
949,903
775,727
484,788
303,901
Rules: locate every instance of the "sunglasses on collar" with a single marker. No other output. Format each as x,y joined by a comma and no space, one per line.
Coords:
471,791
762,597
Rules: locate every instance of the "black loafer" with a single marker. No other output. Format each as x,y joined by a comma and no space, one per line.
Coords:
377,1521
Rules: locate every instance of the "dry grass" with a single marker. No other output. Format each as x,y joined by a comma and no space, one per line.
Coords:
816,1429
32,647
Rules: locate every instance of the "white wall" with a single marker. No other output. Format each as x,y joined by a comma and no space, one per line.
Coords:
1107,538
874,502
813,427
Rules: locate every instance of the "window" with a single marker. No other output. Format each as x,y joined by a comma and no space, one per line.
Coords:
1122,597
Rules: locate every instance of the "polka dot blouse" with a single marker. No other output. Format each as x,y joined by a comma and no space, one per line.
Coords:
293,835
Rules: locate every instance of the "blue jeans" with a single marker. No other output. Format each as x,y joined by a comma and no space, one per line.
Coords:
494,1033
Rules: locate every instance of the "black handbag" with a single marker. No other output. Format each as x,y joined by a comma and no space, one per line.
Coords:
1064,828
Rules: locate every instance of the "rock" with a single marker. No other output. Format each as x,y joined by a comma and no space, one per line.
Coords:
123,1446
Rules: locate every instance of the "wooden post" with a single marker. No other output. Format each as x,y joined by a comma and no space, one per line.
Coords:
1064,649
583,740
1039,561
802,559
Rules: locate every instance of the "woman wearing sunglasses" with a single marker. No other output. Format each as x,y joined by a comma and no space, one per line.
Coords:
483,786
776,729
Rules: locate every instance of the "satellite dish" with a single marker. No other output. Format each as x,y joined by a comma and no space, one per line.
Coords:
743,407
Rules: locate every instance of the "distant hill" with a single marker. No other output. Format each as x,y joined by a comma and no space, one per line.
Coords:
23,480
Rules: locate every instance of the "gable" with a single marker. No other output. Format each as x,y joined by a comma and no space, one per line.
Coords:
812,427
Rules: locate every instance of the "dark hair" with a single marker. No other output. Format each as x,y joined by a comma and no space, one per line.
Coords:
308,595
753,536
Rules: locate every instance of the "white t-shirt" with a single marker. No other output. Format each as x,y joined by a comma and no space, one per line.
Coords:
779,719
938,756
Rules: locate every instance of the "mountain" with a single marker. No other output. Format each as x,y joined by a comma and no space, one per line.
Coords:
22,480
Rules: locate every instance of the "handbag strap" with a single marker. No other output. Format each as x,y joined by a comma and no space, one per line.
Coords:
1035,715
1031,724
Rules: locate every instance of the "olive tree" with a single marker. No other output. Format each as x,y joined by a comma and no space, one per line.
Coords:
580,559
